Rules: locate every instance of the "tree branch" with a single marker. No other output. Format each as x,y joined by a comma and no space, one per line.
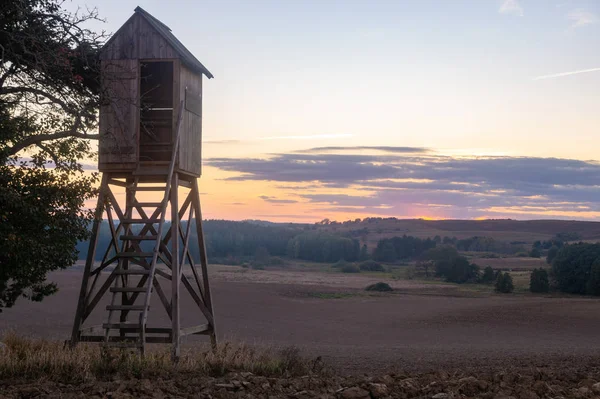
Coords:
40,138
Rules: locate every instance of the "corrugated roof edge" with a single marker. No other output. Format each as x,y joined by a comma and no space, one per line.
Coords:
186,56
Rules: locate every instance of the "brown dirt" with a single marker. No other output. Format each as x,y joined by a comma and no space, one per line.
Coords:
415,329
515,382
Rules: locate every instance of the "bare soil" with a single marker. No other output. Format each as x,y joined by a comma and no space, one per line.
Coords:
418,327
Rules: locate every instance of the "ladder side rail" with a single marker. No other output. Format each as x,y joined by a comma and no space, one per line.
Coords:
144,316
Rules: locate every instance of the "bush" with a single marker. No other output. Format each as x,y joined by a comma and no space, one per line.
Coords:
340,264
535,253
504,283
488,276
457,270
538,281
380,287
371,266
350,268
572,268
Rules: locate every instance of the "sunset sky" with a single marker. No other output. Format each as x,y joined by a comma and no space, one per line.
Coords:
433,109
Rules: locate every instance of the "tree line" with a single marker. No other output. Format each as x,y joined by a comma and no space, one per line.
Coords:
233,242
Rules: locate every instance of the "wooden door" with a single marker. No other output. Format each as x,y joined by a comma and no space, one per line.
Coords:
119,112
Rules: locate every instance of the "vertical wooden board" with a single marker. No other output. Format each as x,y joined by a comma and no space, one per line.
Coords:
118,112
137,39
189,151
176,100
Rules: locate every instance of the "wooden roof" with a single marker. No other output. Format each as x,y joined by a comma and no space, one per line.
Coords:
165,32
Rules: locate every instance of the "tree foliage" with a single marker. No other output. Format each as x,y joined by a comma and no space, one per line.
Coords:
451,265
504,283
552,252
488,276
398,248
323,247
49,95
538,281
572,267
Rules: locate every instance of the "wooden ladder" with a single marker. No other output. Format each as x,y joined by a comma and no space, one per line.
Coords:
135,260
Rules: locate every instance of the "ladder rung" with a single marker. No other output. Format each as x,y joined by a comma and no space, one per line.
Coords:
135,254
152,172
120,326
140,221
139,238
149,204
133,271
133,344
149,188
128,289
126,307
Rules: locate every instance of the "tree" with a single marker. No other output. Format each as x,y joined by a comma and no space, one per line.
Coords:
552,252
504,283
450,264
572,267
488,276
364,253
385,251
593,285
538,281
49,94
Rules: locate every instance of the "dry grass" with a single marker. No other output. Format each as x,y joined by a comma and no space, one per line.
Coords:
31,359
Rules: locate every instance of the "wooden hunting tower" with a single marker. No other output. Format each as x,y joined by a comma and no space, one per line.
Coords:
150,149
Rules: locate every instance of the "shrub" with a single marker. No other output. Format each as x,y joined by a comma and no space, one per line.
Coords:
572,267
340,264
457,270
380,287
371,266
350,268
538,281
488,276
504,283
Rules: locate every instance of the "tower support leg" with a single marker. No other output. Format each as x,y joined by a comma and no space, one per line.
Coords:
175,267
89,262
203,260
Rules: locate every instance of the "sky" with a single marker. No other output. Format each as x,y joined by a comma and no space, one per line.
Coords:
414,109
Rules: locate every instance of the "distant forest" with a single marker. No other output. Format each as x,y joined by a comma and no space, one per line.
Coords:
232,242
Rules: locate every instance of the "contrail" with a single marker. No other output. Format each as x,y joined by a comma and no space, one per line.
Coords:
557,75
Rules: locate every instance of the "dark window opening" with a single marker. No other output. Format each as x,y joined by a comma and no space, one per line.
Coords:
156,111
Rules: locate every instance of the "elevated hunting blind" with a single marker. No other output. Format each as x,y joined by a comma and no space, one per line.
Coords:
150,149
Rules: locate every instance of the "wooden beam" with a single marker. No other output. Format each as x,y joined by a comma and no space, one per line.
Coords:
175,267
79,317
204,261
201,329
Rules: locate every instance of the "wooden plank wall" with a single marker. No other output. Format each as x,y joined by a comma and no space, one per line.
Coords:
190,148
137,39
119,113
